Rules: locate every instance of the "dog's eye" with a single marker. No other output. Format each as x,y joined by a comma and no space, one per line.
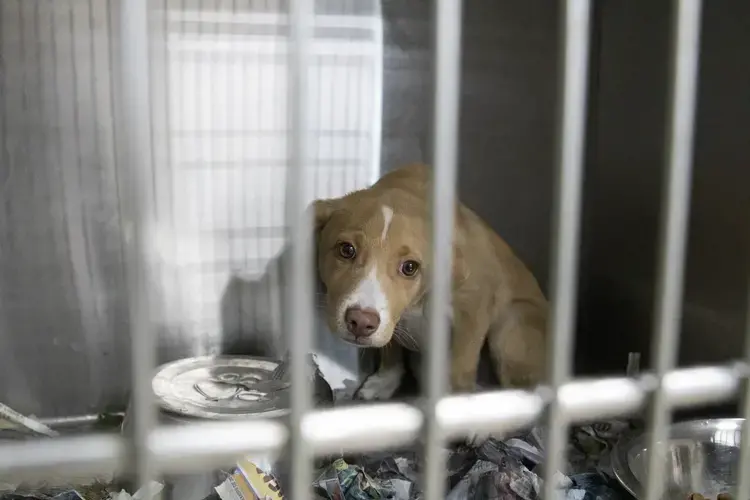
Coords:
347,251
409,268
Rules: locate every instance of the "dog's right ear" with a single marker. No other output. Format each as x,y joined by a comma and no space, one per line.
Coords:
321,213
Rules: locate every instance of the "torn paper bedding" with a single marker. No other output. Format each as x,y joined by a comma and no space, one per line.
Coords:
507,470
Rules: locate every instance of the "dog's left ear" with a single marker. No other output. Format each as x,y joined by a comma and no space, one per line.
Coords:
321,212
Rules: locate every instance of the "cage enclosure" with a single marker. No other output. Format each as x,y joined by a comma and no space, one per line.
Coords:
155,156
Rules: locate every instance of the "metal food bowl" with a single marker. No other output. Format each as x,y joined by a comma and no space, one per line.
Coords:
702,457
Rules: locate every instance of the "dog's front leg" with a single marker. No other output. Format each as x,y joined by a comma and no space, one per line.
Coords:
386,380
469,333
467,339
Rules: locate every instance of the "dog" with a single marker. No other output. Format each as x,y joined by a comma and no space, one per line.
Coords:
373,261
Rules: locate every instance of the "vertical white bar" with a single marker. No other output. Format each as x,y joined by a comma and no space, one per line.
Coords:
376,138
447,43
673,232
136,150
743,481
299,189
571,134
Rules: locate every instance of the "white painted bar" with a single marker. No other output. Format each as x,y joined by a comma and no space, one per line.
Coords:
300,291
199,447
571,134
136,171
447,81
673,230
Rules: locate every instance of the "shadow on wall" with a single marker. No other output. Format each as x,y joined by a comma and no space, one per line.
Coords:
245,313
253,313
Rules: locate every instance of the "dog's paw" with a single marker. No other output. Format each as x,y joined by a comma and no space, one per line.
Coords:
379,386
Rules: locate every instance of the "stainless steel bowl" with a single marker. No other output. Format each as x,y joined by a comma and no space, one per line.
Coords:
702,457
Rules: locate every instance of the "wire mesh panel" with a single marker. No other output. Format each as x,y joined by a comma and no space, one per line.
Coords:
247,112
222,187
215,187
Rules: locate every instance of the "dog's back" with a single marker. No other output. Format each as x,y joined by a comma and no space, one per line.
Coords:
496,283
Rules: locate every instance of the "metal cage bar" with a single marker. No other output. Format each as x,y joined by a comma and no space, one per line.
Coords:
571,131
447,43
359,428
300,292
136,137
674,226
743,480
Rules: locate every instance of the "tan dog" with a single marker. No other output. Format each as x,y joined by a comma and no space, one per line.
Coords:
373,255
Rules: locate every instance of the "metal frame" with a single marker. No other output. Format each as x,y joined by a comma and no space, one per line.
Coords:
137,156
153,450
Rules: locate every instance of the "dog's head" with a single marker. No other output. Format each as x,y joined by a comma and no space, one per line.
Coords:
373,258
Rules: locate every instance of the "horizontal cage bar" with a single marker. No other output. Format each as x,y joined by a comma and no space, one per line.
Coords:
367,427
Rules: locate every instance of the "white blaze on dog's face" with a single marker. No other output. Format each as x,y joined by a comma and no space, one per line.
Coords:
370,252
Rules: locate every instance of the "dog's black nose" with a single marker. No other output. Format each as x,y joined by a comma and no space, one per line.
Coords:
361,322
